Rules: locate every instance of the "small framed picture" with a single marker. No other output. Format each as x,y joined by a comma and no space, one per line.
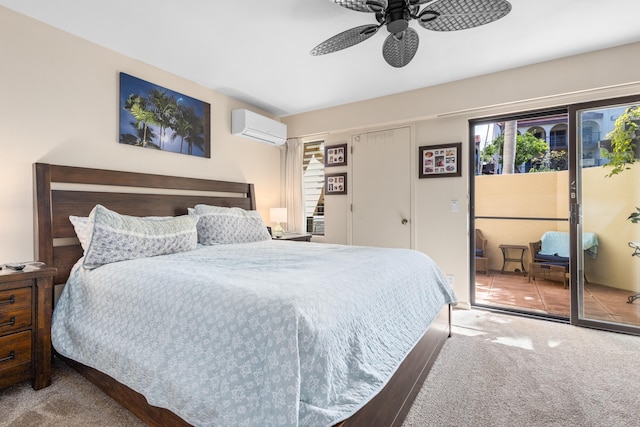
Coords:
335,155
335,183
440,161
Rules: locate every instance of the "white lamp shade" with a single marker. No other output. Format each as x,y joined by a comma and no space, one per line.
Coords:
278,214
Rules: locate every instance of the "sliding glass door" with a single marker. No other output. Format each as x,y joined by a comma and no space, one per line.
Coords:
604,199
519,197
556,228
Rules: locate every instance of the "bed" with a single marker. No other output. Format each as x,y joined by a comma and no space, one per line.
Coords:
151,388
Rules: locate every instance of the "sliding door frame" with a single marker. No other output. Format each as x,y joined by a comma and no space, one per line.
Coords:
576,267
472,213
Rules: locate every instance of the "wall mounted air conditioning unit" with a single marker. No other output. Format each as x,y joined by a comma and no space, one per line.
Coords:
251,125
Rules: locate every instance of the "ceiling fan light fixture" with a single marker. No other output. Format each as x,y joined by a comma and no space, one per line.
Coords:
397,26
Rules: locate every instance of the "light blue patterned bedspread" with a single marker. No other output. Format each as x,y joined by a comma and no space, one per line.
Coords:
255,334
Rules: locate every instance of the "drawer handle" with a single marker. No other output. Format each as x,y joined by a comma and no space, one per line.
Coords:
11,300
11,356
12,322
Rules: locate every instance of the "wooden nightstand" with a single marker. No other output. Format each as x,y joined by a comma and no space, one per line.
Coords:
26,303
295,237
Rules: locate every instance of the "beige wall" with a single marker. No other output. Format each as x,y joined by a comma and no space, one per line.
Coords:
607,202
600,74
440,114
519,196
59,104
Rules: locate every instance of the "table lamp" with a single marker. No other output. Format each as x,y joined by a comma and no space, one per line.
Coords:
278,215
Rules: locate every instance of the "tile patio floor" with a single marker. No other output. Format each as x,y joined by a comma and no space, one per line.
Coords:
513,290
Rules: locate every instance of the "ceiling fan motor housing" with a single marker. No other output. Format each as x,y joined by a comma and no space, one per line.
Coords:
397,17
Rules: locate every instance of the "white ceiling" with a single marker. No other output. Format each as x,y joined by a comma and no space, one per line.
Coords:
258,51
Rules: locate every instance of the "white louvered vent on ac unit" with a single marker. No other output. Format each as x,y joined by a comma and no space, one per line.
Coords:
254,126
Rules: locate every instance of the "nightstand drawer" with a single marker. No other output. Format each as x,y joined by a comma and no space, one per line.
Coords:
13,320
15,349
13,299
25,325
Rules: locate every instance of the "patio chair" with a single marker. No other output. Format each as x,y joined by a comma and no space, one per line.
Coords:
482,259
547,267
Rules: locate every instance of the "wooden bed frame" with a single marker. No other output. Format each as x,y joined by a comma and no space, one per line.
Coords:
65,190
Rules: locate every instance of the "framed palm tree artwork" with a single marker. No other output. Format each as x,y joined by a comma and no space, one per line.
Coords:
154,117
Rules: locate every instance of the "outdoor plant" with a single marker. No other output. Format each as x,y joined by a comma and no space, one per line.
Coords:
554,161
623,145
623,141
528,147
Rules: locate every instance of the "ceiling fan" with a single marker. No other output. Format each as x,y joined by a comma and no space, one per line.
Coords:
402,43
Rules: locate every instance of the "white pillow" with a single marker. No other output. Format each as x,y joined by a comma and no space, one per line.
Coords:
113,237
80,227
218,224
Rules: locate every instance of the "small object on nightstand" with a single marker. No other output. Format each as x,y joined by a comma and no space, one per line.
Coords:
26,303
294,237
16,266
278,215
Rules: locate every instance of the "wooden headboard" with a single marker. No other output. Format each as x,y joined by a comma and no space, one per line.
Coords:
65,190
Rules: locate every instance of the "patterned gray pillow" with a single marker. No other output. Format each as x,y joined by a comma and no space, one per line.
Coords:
114,237
229,225
80,227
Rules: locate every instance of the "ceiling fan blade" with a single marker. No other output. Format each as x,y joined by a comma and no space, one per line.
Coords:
345,39
453,15
399,49
363,5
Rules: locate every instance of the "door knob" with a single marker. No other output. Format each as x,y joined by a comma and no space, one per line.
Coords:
404,221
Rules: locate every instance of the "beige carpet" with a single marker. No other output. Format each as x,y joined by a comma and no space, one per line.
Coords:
496,370
501,370
70,401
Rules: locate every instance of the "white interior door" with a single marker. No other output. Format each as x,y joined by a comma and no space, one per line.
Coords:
381,183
